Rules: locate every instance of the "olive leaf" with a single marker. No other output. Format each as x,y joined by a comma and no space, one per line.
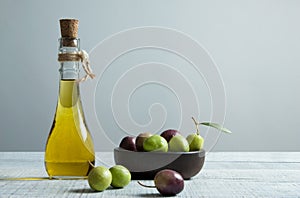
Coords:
217,126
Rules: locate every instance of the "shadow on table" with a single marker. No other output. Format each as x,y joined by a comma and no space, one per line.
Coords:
89,190
148,195
82,190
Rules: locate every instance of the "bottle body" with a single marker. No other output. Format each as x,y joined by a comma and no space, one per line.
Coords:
69,148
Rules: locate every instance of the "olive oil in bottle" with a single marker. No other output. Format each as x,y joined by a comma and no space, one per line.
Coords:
69,149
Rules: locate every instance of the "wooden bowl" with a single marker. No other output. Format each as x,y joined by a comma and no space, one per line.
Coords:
144,165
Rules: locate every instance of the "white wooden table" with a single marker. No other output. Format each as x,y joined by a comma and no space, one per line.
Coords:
225,174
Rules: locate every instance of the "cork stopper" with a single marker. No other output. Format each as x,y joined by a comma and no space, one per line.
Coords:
69,28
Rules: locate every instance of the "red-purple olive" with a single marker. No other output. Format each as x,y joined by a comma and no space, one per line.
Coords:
168,134
139,141
128,143
167,182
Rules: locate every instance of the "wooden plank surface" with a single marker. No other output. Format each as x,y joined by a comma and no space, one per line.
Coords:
225,174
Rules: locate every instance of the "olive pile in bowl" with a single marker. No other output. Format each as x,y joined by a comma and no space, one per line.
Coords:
147,154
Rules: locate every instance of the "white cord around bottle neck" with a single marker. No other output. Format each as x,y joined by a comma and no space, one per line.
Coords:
84,56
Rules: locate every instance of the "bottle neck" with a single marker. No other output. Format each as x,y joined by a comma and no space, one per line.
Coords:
69,69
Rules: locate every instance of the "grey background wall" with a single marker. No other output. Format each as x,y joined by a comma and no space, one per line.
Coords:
256,45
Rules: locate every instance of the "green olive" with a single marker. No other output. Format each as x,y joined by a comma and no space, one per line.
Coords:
99,178
120,176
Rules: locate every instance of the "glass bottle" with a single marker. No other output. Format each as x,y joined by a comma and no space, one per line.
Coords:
69,149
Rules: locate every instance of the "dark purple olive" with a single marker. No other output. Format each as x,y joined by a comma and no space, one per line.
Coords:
139,141
168,134
167,182
128,143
